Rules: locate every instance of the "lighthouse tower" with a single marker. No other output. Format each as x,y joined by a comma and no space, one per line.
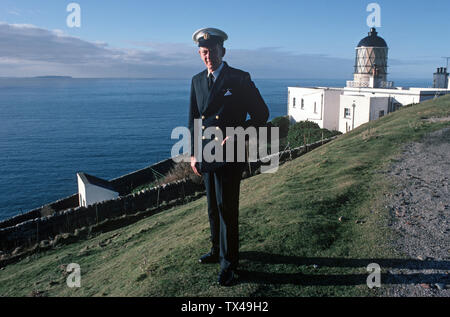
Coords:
371,63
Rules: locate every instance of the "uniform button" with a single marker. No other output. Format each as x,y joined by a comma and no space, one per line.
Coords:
203,117
203,137
217,128
217,117
203,127
216,138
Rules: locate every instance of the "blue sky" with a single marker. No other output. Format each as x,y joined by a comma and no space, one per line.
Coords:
278,39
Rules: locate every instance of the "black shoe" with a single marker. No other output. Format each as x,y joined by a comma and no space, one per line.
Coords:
209,258
226,277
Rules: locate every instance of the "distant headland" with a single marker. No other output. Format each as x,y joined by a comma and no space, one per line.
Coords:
54,77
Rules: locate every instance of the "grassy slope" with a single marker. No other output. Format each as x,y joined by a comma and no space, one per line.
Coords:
288,223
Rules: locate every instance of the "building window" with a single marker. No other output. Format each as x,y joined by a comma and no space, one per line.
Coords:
381,114
303,104
315,107
293,102
346,112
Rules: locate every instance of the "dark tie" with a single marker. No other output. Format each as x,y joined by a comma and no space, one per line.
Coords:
210,81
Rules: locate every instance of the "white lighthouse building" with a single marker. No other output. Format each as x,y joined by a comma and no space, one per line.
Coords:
367,97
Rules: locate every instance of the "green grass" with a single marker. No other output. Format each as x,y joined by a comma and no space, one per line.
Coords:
289,223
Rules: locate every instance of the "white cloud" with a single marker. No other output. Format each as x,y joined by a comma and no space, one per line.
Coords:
14,12
28,50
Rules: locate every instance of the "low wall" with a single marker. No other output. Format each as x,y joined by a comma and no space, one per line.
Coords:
30,232
287,155
123,184
46,210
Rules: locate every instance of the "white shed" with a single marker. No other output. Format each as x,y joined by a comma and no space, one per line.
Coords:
316,104
92,190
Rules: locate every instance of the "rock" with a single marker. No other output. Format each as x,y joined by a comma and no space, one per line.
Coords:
84,250
56,240
423,258
36,293
104,243
341,218
17,250
44,243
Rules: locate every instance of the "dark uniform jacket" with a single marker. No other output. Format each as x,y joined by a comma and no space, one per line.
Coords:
231,98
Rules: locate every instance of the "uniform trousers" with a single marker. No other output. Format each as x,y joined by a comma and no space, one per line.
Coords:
222,190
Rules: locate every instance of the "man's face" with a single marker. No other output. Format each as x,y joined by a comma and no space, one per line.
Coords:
212,56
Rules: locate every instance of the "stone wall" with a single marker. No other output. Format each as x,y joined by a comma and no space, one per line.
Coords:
123,184
31,232
46,210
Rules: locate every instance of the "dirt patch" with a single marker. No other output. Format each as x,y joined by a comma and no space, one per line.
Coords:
433,120
420,217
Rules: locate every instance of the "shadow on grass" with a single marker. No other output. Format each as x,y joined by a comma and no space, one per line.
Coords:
248,276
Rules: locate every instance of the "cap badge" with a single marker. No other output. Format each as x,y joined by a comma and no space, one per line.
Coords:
206,36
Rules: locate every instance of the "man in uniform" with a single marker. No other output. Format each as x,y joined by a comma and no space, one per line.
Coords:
222,96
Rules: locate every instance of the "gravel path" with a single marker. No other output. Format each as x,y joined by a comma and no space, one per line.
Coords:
420,218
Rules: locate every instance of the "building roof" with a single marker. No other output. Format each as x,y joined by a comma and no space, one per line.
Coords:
89,179
373,40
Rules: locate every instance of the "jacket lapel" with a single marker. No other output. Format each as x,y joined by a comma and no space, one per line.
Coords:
217,88
203,86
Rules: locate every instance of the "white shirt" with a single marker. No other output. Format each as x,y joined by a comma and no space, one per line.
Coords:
216,73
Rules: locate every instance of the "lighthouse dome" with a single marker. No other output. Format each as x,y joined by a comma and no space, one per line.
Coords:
373,40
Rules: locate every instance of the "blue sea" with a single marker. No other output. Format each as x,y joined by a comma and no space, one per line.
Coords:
52,128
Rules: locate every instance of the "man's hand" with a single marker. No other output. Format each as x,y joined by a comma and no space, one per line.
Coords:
193,162
223,142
